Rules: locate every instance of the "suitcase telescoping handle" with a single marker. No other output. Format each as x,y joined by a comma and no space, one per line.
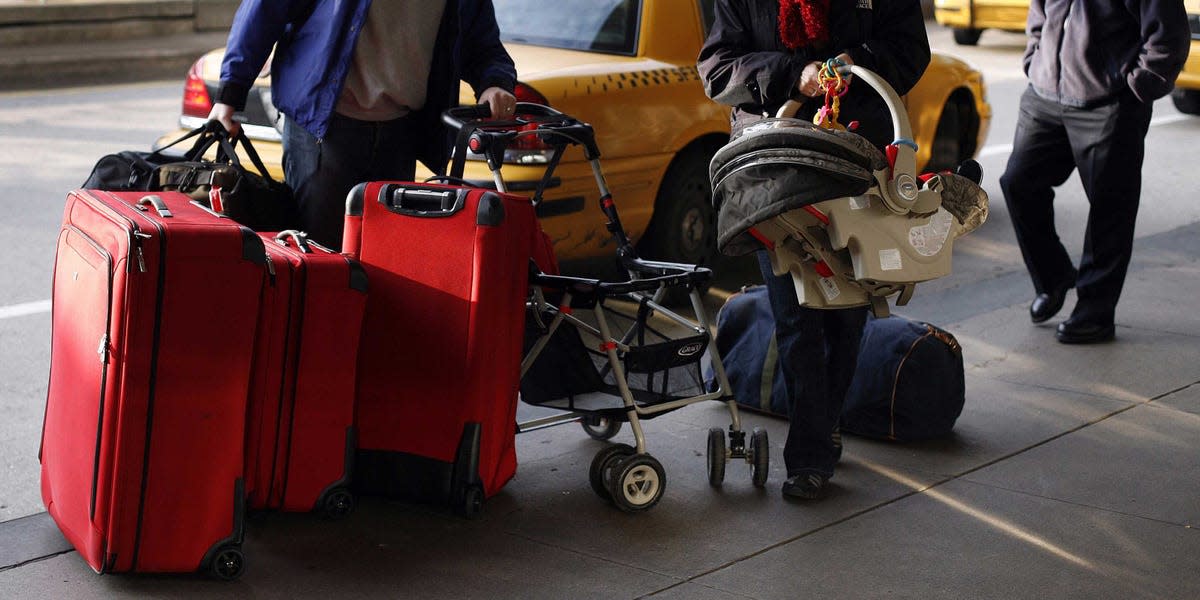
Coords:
299,238
157,203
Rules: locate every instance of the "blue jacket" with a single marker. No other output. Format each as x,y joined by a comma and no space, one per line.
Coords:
314,44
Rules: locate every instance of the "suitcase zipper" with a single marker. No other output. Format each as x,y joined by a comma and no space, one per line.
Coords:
103,352
137,238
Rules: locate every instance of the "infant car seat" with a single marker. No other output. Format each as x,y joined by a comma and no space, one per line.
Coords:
851,225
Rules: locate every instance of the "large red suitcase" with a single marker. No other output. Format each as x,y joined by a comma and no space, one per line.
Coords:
154,308
300,429
439,360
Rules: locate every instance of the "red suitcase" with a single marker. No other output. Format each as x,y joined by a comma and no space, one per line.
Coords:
154,308
300,428
439,360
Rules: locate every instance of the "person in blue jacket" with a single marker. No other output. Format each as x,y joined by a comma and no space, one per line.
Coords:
363,85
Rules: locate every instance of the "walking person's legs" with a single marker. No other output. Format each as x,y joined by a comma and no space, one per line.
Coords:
1040,161
1109,147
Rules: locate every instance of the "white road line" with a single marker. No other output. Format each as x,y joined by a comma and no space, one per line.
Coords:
21,310
1000,149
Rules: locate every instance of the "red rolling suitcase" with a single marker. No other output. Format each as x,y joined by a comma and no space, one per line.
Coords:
300,429
154,308
439,360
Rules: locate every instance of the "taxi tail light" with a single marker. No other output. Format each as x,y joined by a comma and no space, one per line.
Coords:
196,102
527,144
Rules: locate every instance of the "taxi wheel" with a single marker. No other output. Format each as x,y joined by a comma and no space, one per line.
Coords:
684,225
1186,101
967,36
955,138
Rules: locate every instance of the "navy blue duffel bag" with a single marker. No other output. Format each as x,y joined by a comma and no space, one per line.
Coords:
746,343
909,382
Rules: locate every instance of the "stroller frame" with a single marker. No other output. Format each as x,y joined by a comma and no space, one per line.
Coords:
628,476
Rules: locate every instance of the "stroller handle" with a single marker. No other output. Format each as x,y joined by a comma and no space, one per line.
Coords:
479,133
901,128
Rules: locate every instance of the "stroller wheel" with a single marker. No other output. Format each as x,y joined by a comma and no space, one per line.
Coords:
638,483
601,471
760,457
716,457
600,428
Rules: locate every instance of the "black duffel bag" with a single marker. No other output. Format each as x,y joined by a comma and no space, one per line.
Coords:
909,383
133,170
223,185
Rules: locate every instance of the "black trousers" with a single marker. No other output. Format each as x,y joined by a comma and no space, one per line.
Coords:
818,350
1107,145
322,172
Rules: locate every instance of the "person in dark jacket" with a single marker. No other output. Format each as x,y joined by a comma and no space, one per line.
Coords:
363,85
759,54
1094,69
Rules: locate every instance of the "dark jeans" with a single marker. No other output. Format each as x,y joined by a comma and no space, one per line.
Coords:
818,350
1107,145
322,172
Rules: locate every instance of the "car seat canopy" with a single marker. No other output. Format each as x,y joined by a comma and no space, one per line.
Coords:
777,165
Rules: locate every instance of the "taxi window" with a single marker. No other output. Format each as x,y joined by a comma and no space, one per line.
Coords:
608,26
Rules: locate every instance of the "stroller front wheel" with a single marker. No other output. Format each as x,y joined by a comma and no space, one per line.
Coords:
716,457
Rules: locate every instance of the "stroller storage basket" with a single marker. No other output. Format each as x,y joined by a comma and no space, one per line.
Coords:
573,374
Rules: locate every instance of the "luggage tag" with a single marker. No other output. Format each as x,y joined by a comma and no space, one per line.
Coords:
214,199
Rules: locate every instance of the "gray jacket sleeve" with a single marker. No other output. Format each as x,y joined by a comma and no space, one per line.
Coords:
1164,49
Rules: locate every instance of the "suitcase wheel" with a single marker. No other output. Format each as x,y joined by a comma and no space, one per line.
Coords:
471,503
337,504
228,564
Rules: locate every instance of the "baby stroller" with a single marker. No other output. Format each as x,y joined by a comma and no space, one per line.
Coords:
609,352
851,224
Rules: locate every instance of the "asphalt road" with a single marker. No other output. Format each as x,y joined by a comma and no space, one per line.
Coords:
50,140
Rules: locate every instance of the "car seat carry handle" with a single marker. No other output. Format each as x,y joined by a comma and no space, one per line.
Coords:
901,153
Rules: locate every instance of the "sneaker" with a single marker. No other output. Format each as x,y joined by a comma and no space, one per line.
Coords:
805,485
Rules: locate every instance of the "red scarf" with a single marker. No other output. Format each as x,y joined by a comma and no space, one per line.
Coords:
803,23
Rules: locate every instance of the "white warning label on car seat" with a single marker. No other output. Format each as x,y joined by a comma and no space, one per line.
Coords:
930,238
890,259
829,288
860,202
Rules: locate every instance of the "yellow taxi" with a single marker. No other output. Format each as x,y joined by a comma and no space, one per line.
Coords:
968,18
1187,88
628,68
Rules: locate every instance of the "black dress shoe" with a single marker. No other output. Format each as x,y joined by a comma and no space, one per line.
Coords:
1078,331
1048,305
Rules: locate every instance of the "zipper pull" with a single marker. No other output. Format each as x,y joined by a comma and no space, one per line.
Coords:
141,258
103,349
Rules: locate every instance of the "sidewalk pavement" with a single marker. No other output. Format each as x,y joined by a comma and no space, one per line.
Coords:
1073,473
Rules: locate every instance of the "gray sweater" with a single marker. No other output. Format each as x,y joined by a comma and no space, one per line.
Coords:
1084,53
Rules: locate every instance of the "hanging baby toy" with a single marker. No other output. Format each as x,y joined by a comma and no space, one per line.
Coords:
830,79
